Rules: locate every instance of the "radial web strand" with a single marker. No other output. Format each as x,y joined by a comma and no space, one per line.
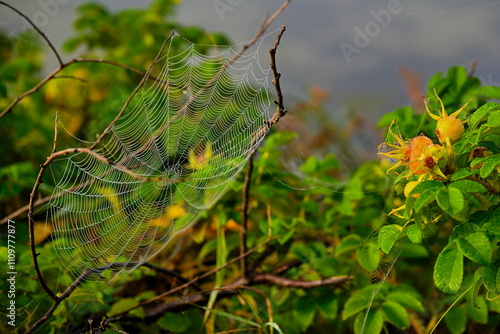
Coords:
178,145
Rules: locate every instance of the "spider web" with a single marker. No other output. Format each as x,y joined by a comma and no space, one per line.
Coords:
175,150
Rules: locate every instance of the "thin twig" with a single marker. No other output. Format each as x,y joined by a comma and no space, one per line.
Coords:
186,285
116,330
472,69
54,147
170,273
144,78
59,60
287,282
262,30
280,108
69,77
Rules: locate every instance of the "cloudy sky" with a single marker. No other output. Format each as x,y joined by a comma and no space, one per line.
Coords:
351,48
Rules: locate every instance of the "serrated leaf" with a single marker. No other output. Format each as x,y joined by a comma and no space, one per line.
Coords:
395,314
469,186
491,277
481,113
414,233
448,270
368,256
370,323
456,320
387,236
406,299
477,247
489,166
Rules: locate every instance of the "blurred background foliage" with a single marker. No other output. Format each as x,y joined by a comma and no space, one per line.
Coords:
321,207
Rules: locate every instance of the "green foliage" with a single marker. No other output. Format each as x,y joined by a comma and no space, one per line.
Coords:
319,219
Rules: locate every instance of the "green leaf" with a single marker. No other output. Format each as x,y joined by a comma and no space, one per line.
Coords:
122,305
424,185
414,233
360,300
480,114
489,92
477,247
368,256
406,299
448,270
328,305
491,277
477,282
275,326
478,314
489,166
494,119
396,314
462,173
348,244
304,312
370,323
413,251
387,237
229,316
450,200
469,186
425,198
456,320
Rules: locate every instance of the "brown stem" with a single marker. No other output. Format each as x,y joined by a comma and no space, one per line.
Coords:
188,284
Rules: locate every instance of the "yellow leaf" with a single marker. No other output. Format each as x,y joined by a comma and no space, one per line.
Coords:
201,160
42,231
172,212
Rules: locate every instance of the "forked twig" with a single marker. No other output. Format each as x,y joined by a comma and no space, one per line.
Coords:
57,299
51,46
